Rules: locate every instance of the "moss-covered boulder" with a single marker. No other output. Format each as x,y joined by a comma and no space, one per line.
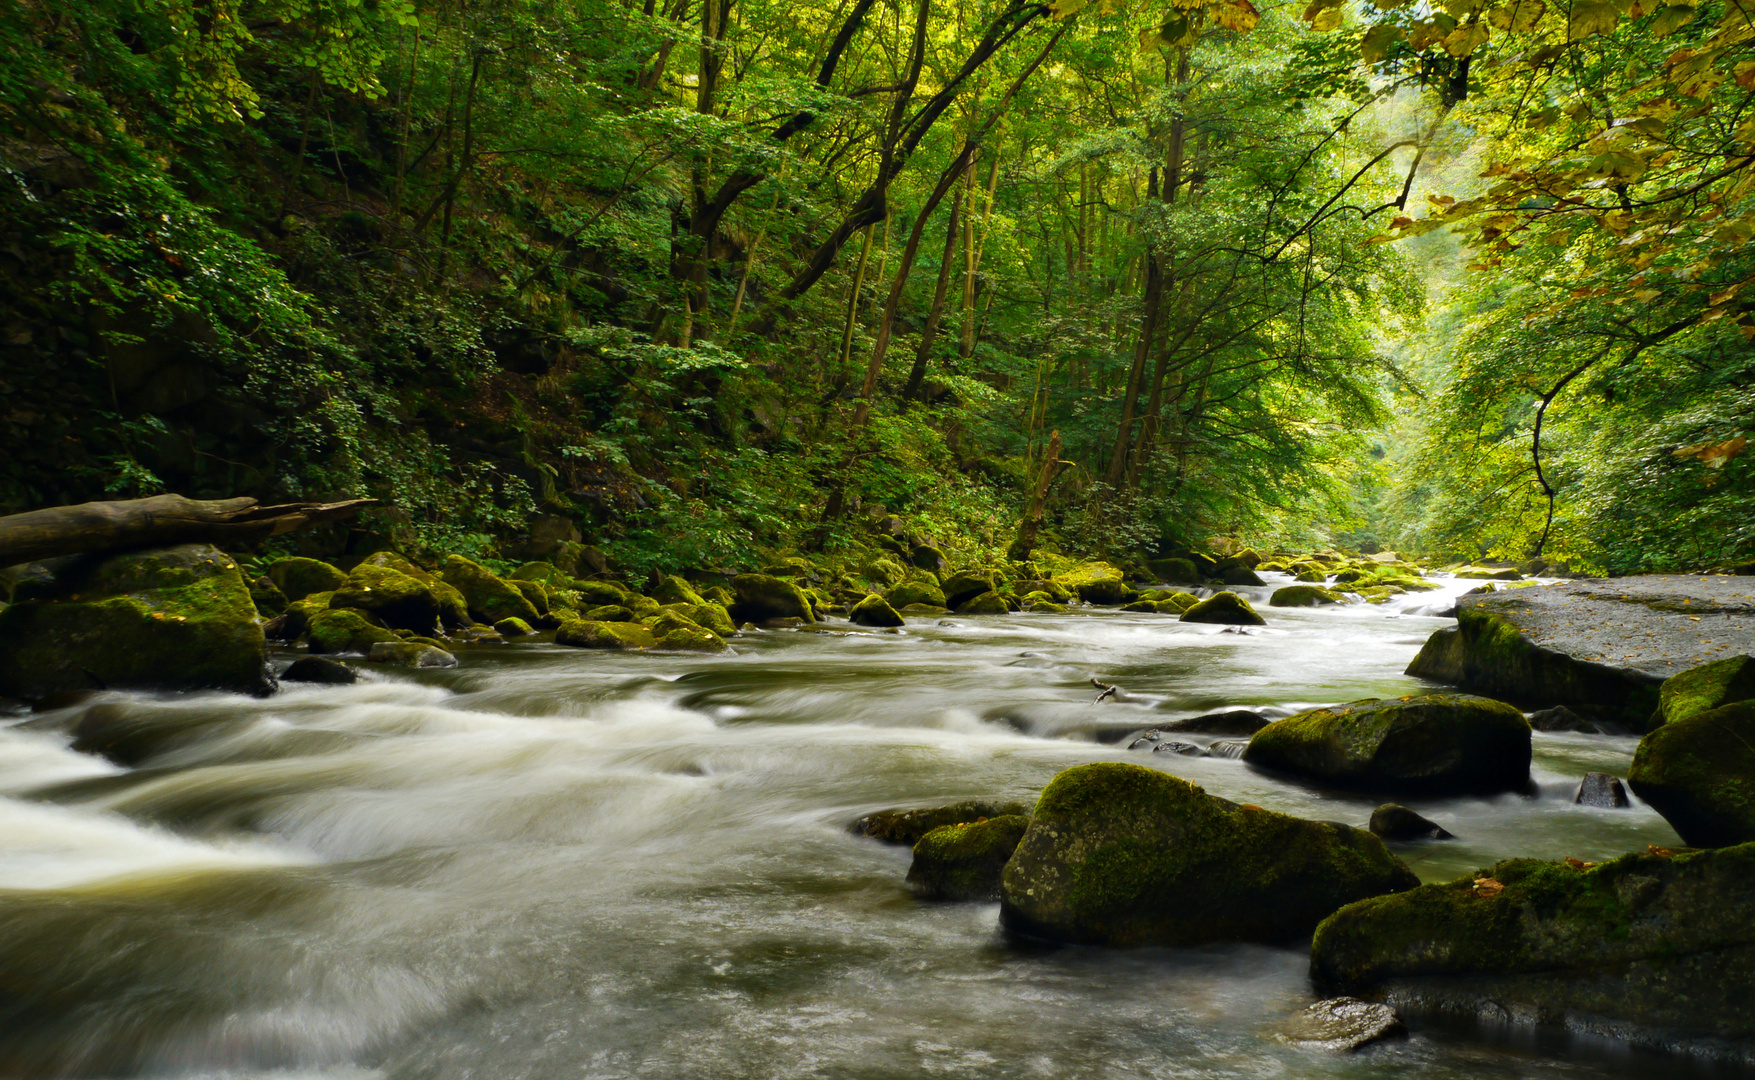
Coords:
414,654
968,584
546,572
319,669
1704,688
1050,589
1044,607
1699,773
298,578
175,618
1311,577
915,592
489,596
906,827
1649,943
533,591
1237,574
965,861
587,634
874,610
885,570
987,603
1174,571
1118,854
677,633
930,559
267,597
764,598
453,610
672,589
713,617
388,597
1304,596
345,631
1488,573
513,627
1224,607
1097,583
1436,743
600,593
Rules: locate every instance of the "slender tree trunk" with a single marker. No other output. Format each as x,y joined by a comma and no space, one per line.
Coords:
462,169
929,333
402,144
1026,541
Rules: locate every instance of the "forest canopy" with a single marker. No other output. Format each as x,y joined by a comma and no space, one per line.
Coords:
708,277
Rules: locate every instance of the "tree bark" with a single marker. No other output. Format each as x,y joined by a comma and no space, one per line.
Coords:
1026,541
157,521
924,353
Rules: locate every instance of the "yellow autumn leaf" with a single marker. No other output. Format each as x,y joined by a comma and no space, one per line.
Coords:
1591,17
1327,20
1670,20
1520,16
1463,41
1238,15
1374,47
1713,455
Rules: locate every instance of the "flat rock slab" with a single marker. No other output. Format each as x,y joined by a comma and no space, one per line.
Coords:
1599,646
1658,624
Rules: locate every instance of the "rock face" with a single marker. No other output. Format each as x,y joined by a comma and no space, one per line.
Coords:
1304,596
875,611
1224,607
176,618
763,598
908,826
1601,647
1704,688
1648,942
1395,822
1699,773
1601,790
1119,854
964,862
1436,743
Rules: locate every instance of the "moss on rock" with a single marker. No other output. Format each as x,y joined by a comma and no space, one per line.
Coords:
1224,607
1699,773
965,861
176,618
489,596
1704,688
345,631
1097,583
987,603
764,598
1118,854
513,627
1440,742
874,610
587,634
672,589
1174,571
915,592
908,826
1304,596
414,654
713,617
1652,940
388,597
298,578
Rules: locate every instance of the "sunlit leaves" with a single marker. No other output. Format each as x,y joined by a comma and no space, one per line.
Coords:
1590,17
1519,16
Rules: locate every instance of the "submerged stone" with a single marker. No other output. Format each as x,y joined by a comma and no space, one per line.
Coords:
1304,596
1344,1025
1393,821
1699,773
965,861
1229,722
586,634
1435,743
1118,854
1601,790
319,669
908,826
412,654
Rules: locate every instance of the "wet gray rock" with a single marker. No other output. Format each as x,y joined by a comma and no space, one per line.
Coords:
1344,1025
1228,748
1603,790
900,826
410,654
1393,821
1229,722
1183,748
319,669
1560,718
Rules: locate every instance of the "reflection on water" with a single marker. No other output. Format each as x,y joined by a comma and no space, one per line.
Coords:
556,863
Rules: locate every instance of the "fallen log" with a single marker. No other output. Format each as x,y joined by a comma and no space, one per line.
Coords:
159,520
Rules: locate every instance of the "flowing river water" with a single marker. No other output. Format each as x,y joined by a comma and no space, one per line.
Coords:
557,863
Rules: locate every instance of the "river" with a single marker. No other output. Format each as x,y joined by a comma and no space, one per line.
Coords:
554,863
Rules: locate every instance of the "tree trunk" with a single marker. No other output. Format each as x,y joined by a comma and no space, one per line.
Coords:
924,353
157,521
1026,541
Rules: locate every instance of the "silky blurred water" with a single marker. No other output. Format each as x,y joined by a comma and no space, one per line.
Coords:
560,863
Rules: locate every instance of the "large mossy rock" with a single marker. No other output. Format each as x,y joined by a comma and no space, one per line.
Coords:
413,654
1646,944
965,586
1174,571
489,596
965,862
1224,607
1704,688
915,592
345,631
908,826
763,598
175,618
1699,773
389,597
874,610
1118,854
586,634
453,609
1437,743
674,590
987,603
1097,583
678,633
1304,596
298,578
